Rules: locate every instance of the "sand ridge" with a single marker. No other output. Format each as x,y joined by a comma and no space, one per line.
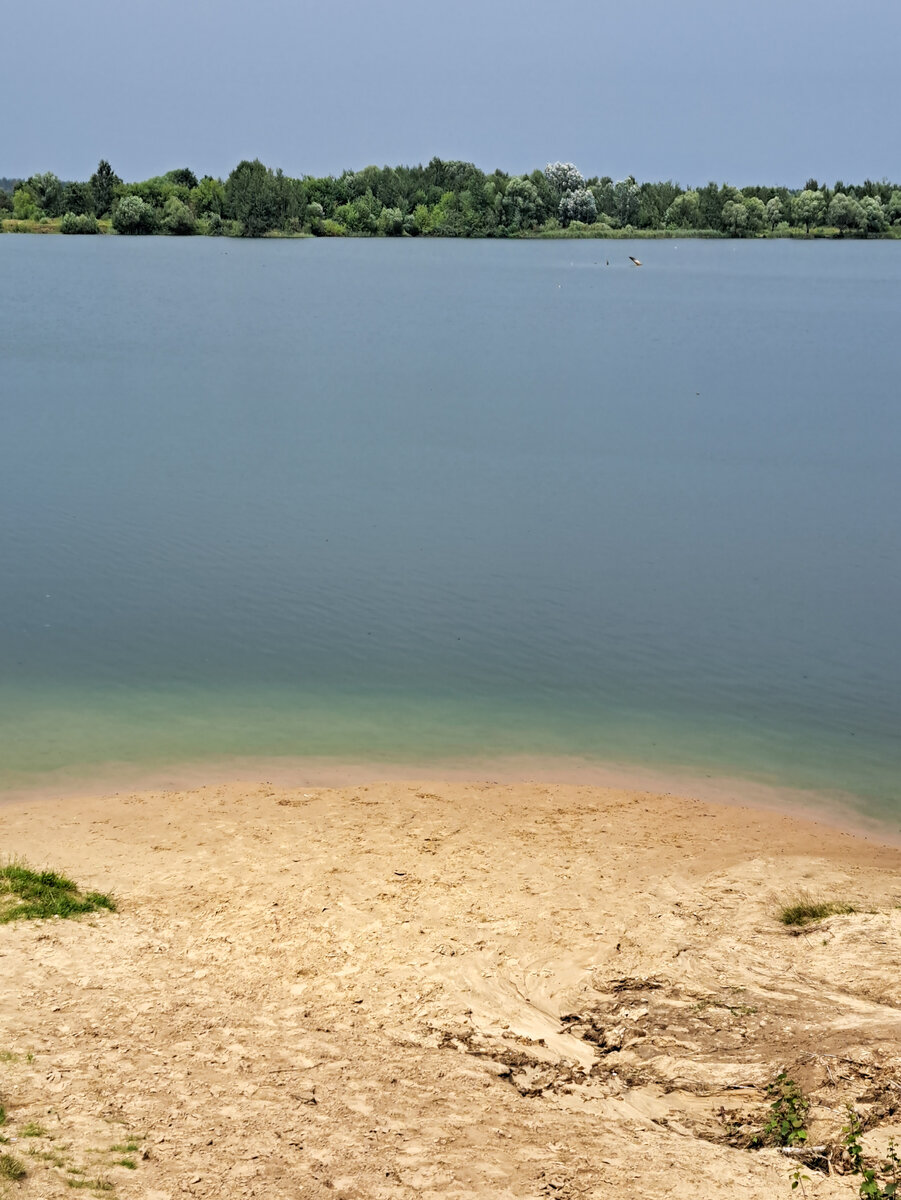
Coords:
427,989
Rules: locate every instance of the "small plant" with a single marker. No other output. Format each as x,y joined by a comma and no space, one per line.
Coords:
805,910
28,895
798,1179
127,1162
871,1186
11,1167
31,1129
788,1113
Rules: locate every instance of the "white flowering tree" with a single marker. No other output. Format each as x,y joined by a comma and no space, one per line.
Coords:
563,177
578,205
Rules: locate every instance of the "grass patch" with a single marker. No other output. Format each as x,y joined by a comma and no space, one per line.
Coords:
32,1129
96,1185
127,1162
11,1167
129,1147
31,895
804,910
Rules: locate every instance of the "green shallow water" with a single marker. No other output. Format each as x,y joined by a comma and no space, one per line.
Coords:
432,502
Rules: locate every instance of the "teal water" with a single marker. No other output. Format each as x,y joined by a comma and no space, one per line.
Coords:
407,501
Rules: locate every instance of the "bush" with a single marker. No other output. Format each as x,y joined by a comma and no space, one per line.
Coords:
78,223
134,215
177,217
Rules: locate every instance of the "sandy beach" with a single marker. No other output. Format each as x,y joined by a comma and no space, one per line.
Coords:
441,989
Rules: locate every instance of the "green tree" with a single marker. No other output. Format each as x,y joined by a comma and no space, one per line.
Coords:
809,208
48,193
103,187
77,198
24,206
774,212
207,196
893,207
684,212
734,218
177,217
845,213
520,204
78,223
579,205
251,198
874,218
756,211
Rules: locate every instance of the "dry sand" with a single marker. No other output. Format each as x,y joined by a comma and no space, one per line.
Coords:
440,990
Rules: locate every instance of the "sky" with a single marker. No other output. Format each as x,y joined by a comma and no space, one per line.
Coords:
772,91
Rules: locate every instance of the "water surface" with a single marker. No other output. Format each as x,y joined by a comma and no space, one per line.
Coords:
410,500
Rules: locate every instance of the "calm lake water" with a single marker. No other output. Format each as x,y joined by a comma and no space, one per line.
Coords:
415,500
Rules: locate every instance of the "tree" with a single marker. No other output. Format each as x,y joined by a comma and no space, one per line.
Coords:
756,211
24,207
177,217
774,211
250,197
874,219
579,205
734,217
103,187
520,204
391,222
563,177
48,193
626,201
684,212
134,215
77,198
893,208
78,223
845,213
207,196
809,208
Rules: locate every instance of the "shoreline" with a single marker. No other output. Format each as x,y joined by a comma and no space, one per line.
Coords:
836,810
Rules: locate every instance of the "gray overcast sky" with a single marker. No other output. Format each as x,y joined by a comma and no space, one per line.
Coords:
771,91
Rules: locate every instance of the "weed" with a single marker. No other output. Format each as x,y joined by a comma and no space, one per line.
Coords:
129,1147
30,895
788,1112
8,1056
11,1167
127,1162
798,1179
32,1129
96,1185
871,1186
2,1115
804,910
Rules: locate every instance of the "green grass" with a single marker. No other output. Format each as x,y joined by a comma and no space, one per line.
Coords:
129,1147
804,910
30,895
127,1162
97,1185
11,1167
32,1129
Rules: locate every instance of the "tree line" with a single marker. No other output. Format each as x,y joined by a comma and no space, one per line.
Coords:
442,199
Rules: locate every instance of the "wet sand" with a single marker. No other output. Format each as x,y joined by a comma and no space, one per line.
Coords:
441,989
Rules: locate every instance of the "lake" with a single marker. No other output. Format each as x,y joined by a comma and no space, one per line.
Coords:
420,501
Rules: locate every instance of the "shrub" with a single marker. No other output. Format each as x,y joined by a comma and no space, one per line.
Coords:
78,223
134,215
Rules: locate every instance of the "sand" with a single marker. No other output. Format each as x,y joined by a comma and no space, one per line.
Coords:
429,989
